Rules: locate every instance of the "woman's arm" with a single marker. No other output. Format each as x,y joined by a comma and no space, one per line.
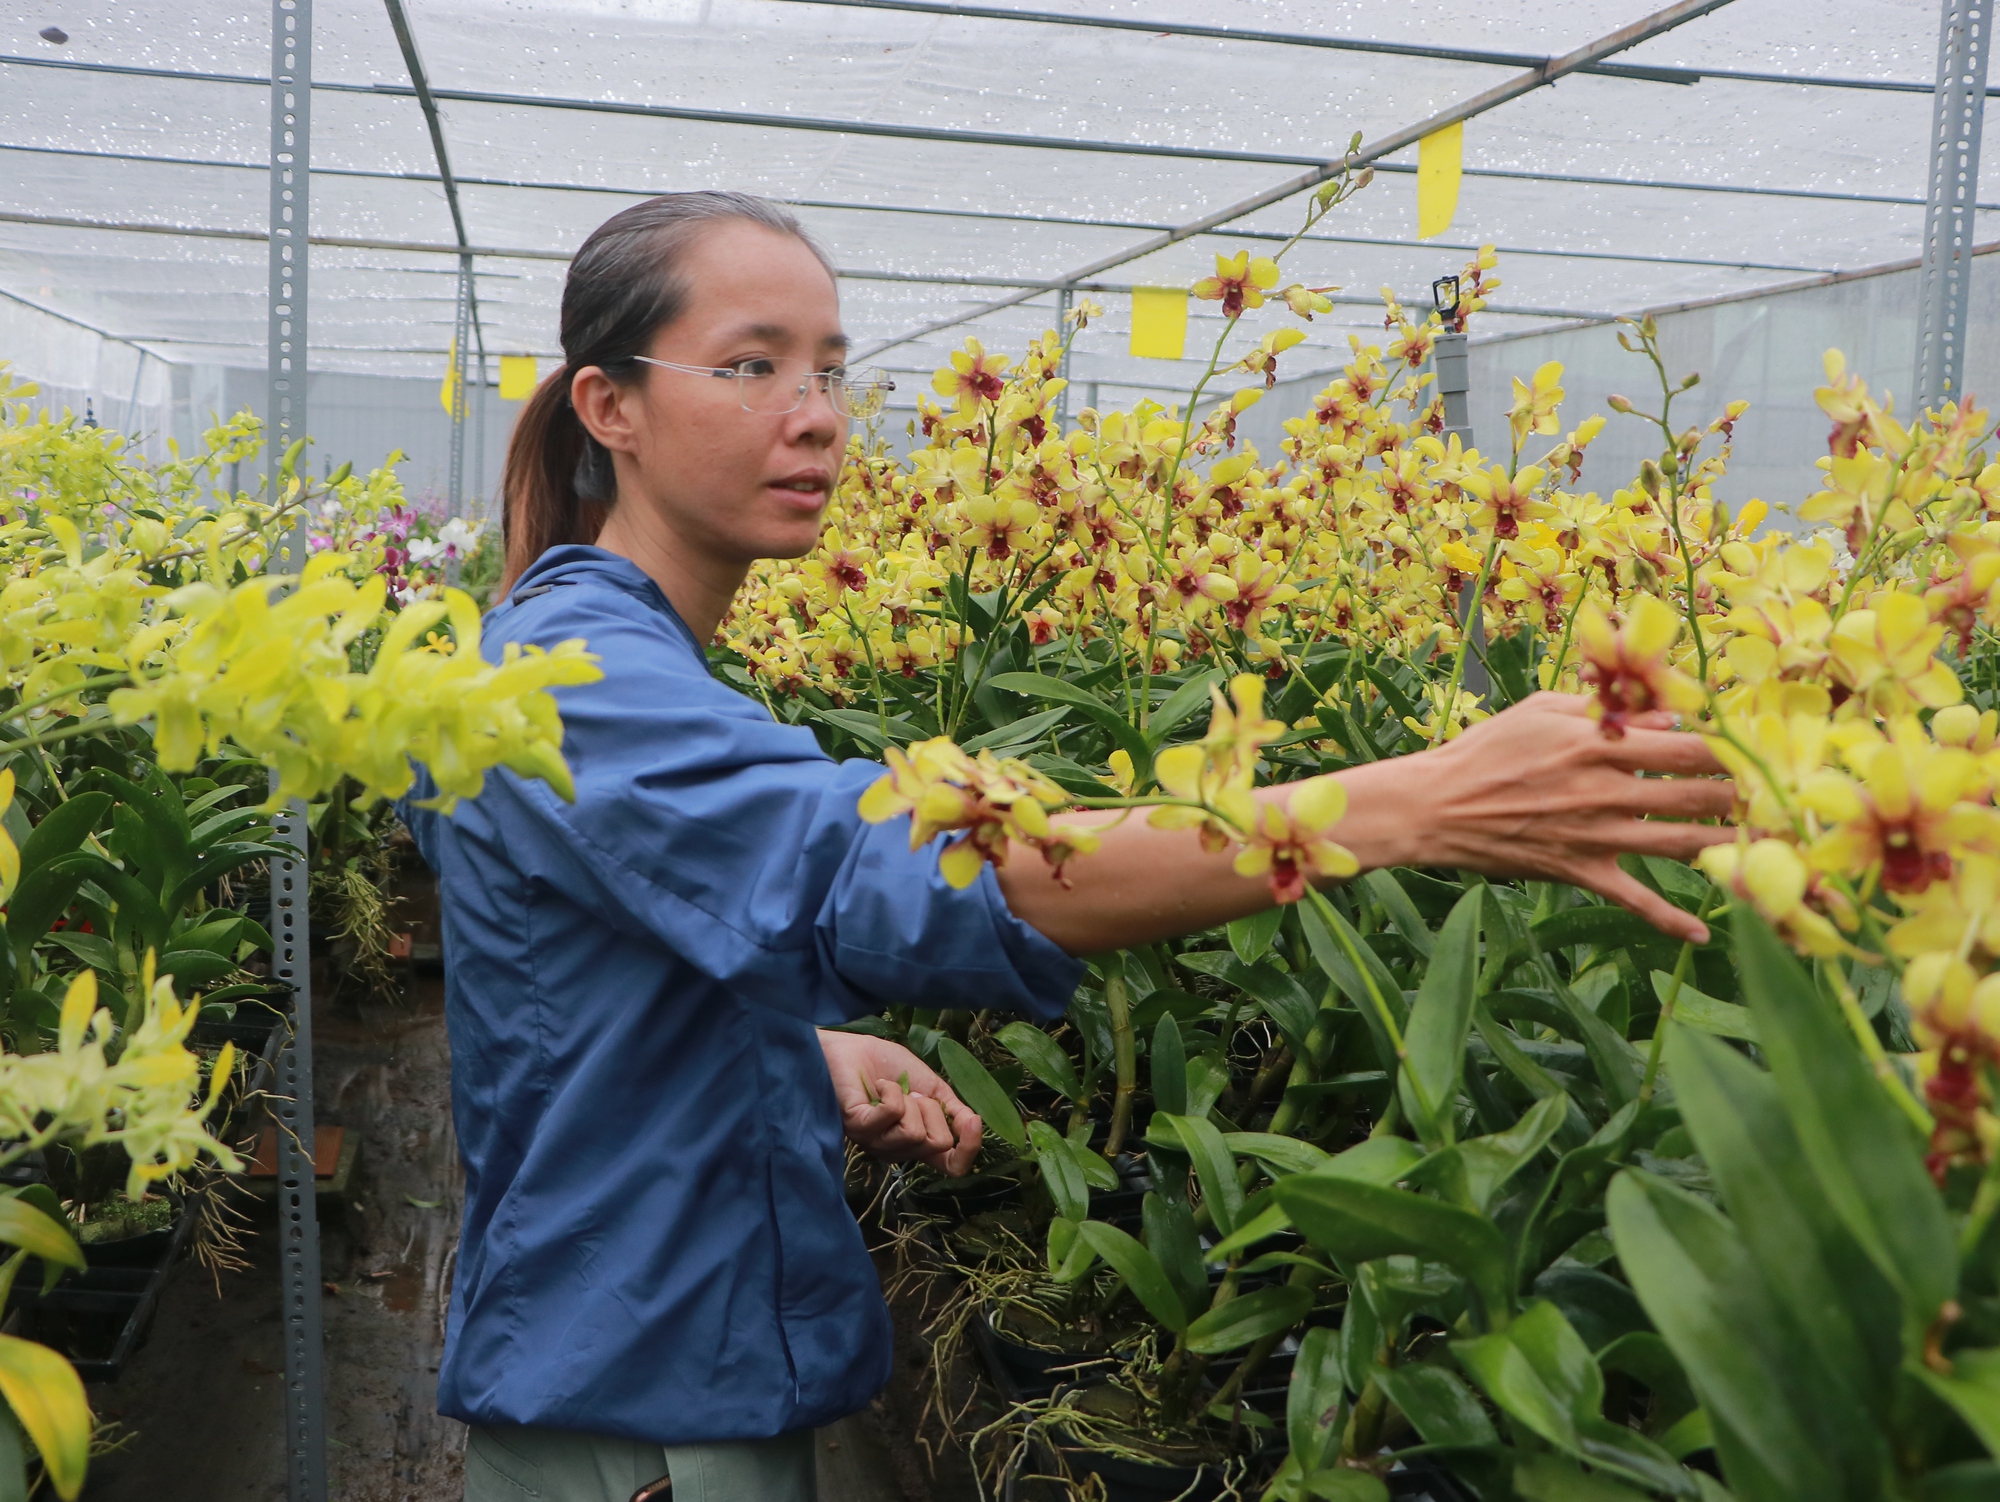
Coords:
1537,791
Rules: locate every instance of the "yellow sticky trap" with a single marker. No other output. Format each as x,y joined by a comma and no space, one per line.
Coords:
517,377
1440,159
449,390
1159,322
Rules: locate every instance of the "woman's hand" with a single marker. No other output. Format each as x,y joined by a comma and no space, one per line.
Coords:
895,1106
1541,792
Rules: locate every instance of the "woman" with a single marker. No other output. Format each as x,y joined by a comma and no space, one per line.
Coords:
658,1274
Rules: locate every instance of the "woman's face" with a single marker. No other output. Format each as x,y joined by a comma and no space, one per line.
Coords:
730,485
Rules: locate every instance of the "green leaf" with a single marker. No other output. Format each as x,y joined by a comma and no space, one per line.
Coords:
1357,1222
48,1398
93,949
1378,1160
1642,1355
982,1092
194,967
1285,1154
65,830
1809,1260
1006,740
1345,1484
1284,1000
13,1459
1097,1173
1042,1057
1328,937
38,1233
1060,1174
43,896
1441,1407
1141,1271
1170,1236
1265,1223
1312,1401
1972,1389
1207,1078
1248,1317
867,728
1251,936
1777,1440
1603,927
1403,914
1059,691
1551,1478
1440,1020
1475,1171
216,935
1179,704
1693,1009
1866,1155
1688,1434
1169,1068
1214,1165
1543,1376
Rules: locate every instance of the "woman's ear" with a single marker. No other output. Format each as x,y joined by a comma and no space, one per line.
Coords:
604,408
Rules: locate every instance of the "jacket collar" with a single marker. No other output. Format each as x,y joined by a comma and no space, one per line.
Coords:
579,563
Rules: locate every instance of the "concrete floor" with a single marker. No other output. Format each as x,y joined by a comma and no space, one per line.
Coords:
201,1402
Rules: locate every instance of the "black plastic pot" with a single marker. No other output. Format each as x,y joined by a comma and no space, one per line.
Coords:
1133,1481
99,1317
952,1201
1022,1371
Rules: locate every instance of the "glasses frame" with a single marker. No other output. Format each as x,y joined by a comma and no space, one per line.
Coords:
836,383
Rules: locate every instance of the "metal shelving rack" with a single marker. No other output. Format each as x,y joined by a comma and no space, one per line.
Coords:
298,1215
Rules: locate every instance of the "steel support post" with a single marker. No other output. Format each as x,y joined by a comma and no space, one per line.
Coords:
461,337
1454,384
1964,40
1064,300
292,1104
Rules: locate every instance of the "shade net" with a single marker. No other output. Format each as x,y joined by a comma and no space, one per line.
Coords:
134,182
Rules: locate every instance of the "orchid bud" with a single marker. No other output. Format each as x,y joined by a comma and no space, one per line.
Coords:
1693,380
1619,403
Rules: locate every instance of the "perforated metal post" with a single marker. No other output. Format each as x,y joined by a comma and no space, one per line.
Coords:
1064,300
461,336
292,1107
1964,39
1454,384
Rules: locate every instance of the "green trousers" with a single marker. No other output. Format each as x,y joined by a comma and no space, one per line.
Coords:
509,1464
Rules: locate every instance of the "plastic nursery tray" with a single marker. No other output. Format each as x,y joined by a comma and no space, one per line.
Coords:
99,1317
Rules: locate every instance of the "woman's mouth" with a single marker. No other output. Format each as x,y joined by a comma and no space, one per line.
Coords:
812,484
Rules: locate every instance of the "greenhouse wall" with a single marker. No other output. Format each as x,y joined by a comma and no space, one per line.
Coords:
352,417
1766,349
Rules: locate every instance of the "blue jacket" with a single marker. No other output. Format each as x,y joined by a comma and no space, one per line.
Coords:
655,1242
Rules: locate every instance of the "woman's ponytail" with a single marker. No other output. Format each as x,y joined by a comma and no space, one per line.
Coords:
543,504
624,285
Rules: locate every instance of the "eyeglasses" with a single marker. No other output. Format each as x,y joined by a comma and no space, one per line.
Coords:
775,387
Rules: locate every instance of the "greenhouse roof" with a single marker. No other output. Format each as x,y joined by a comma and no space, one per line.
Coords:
949,156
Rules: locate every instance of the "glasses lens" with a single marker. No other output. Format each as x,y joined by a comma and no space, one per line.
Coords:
772,387
864,393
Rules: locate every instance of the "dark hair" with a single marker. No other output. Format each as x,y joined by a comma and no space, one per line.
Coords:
624,284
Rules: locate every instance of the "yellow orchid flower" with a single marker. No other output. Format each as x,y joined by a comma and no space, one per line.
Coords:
1289,844
1239,282
1627,665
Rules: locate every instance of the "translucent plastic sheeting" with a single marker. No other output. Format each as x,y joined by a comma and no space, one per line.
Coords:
1605,194
1767,350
